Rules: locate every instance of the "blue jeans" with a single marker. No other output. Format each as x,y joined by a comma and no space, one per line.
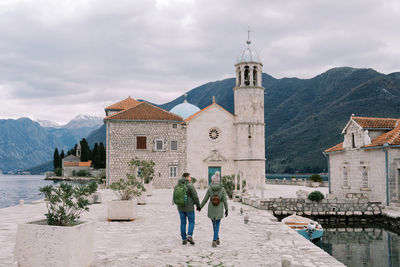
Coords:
216,224
190,216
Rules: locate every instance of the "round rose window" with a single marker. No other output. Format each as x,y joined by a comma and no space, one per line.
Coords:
213,134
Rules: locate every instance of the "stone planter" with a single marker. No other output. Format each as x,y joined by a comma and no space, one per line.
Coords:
96,197
119,210
315,184
149,189
142,199
39,244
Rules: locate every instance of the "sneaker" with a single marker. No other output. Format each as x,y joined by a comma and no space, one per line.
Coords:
214,244
190,239
217,241
184,242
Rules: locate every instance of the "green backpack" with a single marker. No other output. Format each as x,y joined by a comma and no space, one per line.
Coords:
180,195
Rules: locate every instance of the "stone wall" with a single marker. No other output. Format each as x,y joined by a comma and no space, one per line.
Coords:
300,182
337,207
121,148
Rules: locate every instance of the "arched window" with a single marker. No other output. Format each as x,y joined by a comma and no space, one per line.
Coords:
246,76
240,78
255,76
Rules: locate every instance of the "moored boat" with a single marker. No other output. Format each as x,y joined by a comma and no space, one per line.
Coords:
308,228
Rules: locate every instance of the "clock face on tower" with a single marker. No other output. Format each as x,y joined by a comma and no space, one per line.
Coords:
214,134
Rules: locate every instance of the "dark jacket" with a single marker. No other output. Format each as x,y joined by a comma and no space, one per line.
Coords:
215,212
192,196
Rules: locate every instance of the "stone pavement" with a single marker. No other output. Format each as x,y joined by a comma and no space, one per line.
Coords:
153,239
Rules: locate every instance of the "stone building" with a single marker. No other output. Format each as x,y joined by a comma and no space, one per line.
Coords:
367,162
72,164
141,130
198,141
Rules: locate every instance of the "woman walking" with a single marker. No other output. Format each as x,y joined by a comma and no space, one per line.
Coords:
218,200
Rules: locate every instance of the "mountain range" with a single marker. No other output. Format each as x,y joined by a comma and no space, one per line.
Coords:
303,116
25,143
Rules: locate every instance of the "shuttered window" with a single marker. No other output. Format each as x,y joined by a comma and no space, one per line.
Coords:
141,142
174,145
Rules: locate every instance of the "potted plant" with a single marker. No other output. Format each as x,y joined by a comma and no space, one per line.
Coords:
127,190
315,180
145,171
60,239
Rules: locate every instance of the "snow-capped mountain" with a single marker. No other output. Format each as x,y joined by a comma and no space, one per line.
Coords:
83,121
46,123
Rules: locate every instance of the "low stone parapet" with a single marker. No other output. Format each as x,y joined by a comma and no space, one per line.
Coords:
299,182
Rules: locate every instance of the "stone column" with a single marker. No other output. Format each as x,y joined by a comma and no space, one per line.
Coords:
242,76
237,76
251,78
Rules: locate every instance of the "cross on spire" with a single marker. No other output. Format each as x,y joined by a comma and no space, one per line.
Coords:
248,42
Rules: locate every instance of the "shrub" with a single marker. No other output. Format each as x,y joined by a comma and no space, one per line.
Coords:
58,171
66,202
82,173
128,188
145,169
229,184
315,178
316,196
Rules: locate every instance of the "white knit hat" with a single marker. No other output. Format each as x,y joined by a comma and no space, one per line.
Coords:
216,178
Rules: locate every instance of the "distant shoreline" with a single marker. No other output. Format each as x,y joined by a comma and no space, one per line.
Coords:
74,179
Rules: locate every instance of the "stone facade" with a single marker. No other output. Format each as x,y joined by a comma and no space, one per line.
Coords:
121,148
364,165
206,150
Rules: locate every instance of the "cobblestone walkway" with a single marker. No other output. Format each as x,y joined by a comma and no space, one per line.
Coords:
153,239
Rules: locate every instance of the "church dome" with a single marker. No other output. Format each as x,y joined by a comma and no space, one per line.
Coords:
184,109
248,55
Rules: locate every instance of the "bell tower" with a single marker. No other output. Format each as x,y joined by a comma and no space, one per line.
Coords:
249,118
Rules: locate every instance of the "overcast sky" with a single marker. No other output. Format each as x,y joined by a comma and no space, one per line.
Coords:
60,58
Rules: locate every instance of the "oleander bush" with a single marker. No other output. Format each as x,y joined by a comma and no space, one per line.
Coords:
144,169
128,188
315,178
316,196
66,202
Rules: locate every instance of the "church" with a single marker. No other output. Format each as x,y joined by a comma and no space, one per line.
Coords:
187,139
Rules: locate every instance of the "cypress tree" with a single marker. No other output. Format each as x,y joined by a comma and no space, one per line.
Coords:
96,156
62,154
56,159
85,150
102,151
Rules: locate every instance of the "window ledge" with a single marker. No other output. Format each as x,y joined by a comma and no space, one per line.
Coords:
346,187
159,150
365,189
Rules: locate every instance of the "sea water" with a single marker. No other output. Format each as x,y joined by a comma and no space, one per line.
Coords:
362,245
26,187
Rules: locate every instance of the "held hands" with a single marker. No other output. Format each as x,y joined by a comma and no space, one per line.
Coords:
226,213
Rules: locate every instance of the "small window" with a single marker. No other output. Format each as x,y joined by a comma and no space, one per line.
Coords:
173,171
159,144
174,145
141,142
353,141
364,172
174,125
345,177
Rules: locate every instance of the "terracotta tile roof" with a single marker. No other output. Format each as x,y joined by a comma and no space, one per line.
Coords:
77,164
144,111
204,109
381,123
71,164
338,147
124,104
85,163
391,138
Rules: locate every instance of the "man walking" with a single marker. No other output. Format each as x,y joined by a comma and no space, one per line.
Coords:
185,196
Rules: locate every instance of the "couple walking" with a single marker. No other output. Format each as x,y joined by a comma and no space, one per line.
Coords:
218,200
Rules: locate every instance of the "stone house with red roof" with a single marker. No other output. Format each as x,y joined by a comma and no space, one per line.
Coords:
367,162
139,129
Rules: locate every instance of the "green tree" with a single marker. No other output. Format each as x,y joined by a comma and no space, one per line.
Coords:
56,159
96,156
102,150
62,154
85,150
